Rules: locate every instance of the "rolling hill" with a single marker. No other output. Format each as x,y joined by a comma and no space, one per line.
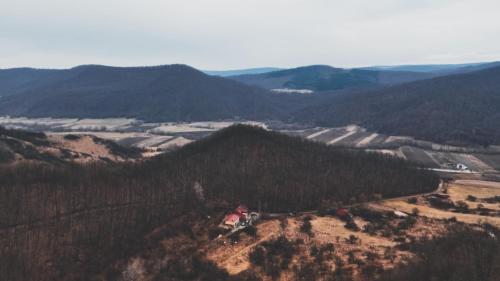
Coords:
168,93
68,222
327,78
456,109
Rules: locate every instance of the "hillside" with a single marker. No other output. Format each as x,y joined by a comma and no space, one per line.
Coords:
167,93
17,80
18,147
327,78
110,207
456,109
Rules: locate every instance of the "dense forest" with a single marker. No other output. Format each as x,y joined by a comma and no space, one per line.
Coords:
63,222
456,109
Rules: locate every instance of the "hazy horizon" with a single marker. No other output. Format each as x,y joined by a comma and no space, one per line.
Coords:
245,68
228,34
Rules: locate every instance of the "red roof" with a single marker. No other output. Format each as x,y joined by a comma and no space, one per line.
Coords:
342,212
232,218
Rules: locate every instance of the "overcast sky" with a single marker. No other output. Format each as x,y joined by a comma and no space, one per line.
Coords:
231,34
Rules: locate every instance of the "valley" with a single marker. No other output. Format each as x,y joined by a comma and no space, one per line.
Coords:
156,138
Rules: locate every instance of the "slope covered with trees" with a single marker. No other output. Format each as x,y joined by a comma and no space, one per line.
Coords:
457,109
327,78
463,254
167,93
63,223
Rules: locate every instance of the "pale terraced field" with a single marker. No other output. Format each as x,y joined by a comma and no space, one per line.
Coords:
366,141
161,136
179,141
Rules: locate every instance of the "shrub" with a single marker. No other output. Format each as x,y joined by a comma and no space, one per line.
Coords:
273,256
251,230
72,137
462,207
471,198
258,256
371,256
235,238
352,225
441,203
494,199
408,222
306,272
353,239
371,269
370,228
214,233
306,227
314,251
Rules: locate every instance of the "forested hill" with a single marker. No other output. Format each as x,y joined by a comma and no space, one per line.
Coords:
457,109
65,223
168,93
253,165
327,78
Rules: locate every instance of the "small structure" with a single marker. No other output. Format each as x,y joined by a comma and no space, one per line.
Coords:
343,214
232,220
240,218
400,214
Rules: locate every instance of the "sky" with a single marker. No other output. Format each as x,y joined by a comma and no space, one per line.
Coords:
234,34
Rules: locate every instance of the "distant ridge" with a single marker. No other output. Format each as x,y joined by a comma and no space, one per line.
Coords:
437,68
327,78
227,73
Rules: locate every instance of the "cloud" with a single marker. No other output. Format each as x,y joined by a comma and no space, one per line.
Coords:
222,34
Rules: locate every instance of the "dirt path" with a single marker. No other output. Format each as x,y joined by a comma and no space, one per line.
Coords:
234,257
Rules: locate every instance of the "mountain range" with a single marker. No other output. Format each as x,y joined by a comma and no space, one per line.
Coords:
458,105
